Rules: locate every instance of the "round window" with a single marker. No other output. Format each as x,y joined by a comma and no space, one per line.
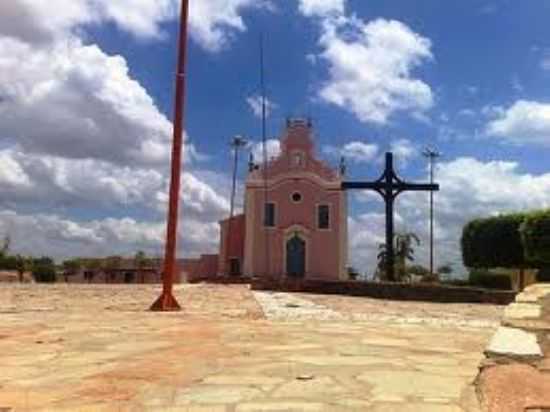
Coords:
296,197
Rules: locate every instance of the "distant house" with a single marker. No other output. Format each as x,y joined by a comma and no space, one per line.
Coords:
9,276
116,270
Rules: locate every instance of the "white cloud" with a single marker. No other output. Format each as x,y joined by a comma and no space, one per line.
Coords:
489,8
60,237
80,137
42,21
12,174
56,182
273,149
75,101
213,23
321,8
356,151
255,105
516,84
472,90
469,189
43,197
51,181
202,201
403,151
143,18
545,58
495,186
525,122
370,68
366,232
466,112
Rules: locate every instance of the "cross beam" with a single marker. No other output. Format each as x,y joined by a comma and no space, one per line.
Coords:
389,186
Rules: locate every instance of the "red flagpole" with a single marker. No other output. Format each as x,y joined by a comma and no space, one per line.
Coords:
167,301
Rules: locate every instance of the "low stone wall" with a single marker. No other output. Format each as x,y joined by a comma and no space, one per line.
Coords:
515,374
385,290
221,280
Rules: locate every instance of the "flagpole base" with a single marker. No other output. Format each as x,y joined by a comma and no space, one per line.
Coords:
166,303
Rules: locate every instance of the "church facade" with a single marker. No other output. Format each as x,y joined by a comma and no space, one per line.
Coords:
295,216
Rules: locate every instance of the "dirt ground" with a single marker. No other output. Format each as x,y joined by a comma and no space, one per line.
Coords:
98,348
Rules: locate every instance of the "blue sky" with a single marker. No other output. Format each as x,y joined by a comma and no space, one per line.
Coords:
492,47
84,143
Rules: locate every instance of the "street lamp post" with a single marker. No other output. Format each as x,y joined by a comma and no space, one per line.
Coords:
237,143
432,155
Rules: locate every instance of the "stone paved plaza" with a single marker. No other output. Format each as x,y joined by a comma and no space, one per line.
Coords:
97,348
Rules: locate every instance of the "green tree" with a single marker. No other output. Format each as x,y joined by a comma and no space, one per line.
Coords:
544,274
5,246
403,252
43,270
23,264
7,262
495,242
382,257
535,235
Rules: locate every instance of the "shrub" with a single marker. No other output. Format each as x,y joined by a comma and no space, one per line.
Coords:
544,274
535,233
418,270
485,279
353,274
456,282
8,262
43,270
494,242
446,269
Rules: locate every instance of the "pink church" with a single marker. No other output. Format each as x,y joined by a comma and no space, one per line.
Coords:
295,216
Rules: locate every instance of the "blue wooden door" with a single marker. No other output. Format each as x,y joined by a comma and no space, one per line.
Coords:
296,257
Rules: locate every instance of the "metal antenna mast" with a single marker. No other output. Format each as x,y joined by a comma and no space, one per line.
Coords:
264,150
432,155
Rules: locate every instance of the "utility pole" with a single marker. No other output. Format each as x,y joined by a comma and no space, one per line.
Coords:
167,301
431,154
237,143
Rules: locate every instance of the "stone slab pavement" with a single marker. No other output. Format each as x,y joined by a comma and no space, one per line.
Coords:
97,348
